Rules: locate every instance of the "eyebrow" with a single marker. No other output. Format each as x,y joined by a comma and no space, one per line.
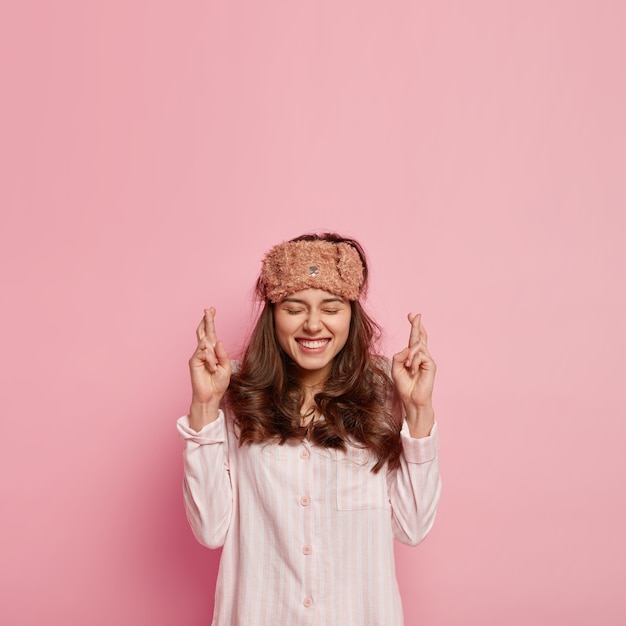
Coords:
324,301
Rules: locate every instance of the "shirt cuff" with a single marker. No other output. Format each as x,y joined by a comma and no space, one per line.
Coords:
420,450
215,432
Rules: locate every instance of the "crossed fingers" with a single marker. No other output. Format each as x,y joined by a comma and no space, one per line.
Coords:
418,334
418,339
207,339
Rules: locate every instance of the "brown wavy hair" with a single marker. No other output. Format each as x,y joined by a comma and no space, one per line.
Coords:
358,400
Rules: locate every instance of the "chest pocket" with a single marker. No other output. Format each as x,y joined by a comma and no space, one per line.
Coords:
357,487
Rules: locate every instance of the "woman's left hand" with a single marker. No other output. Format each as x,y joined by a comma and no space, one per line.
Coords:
413,373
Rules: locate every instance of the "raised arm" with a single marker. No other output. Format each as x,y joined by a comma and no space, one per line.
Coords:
413,373
210,370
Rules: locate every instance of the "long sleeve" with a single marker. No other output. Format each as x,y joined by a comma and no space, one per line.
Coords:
207,488
414,488
307,532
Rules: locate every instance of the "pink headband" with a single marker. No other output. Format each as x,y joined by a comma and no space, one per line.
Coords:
296,265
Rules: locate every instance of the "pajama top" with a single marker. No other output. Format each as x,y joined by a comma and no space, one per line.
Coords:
307,532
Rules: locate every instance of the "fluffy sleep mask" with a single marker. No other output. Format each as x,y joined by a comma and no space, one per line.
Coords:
296,265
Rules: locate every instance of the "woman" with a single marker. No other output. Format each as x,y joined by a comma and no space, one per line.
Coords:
307,461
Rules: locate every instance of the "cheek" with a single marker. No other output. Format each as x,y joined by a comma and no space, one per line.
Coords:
283,330
343,330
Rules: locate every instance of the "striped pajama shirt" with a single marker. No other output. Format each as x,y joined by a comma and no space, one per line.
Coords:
307,532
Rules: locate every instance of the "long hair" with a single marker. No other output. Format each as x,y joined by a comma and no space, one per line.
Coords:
358,400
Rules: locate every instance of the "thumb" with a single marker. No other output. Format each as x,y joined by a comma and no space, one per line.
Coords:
400,358
222,355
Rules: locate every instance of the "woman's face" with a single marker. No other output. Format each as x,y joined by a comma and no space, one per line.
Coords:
312,327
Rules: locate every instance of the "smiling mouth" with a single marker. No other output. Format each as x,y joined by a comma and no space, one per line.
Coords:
313,344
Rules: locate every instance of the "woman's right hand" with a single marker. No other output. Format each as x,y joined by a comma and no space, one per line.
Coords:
210,370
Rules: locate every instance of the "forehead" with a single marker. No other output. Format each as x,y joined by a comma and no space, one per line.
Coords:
313,296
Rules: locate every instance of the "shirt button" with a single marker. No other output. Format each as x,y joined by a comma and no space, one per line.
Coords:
307,550
305,500
304,454
308,602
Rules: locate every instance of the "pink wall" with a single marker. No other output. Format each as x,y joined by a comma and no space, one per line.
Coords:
152,151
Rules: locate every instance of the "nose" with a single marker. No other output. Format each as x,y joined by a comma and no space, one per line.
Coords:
313,322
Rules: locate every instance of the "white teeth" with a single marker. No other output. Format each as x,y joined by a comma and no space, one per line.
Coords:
320,343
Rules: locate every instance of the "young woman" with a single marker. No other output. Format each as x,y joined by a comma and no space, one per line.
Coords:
309,458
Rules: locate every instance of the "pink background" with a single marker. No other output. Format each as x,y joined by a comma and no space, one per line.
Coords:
151,153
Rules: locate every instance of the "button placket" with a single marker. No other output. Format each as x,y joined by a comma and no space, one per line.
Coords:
307,520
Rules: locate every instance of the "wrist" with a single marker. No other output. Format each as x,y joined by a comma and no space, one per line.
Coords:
202,413
420,419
